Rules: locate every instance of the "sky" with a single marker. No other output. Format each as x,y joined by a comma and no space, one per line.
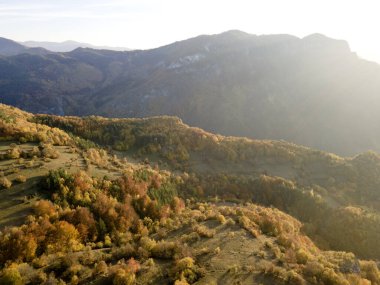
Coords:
145,24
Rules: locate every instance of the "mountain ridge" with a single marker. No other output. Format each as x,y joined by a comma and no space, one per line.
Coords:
68,45
12,48
268,87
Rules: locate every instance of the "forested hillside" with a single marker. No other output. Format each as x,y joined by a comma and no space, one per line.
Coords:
154,201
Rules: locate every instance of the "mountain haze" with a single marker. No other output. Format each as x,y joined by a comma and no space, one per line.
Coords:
312,91
12,48
68,46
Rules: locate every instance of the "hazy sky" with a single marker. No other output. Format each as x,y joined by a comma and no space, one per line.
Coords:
152,23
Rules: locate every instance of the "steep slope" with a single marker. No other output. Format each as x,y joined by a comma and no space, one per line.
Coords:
36,80
9,47
312,91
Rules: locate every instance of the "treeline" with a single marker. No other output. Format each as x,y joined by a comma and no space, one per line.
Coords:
169,138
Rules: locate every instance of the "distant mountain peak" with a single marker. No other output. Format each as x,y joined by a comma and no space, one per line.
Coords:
320,40
316,36
69,45
235,33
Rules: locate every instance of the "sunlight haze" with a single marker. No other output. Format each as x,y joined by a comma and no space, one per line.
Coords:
144,24
169,142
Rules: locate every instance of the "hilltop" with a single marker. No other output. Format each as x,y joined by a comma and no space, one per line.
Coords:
153,201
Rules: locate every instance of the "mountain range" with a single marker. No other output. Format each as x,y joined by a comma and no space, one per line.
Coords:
313,91
10,48
67,46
